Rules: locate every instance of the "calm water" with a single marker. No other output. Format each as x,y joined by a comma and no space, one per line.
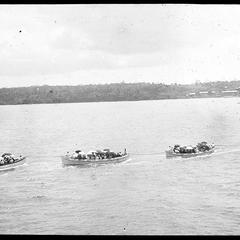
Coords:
148,194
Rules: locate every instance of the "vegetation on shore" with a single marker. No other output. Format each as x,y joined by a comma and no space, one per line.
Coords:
111,92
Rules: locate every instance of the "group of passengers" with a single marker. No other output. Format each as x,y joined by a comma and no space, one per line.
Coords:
7,158
98,154
200,147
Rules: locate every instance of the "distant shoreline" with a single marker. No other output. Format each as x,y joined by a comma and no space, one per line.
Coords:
16,104
116,92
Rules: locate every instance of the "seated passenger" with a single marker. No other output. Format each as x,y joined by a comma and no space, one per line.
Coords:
6,154
74,155
183,149
118,154
7,158
189,149
91,156
207,148
107,155
112,154
176,146
177,150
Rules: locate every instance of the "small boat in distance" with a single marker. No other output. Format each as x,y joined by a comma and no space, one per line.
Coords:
78,158
200,149
9,161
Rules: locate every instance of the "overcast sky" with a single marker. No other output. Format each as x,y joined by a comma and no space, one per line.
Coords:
84,44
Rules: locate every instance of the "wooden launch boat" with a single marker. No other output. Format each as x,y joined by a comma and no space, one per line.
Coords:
15,164
170,153
67,160
202,148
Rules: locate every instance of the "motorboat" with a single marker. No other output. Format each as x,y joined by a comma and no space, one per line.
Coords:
68,160
19,161
94,157
200,149
171,153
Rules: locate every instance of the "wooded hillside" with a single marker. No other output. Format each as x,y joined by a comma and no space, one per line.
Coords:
107,92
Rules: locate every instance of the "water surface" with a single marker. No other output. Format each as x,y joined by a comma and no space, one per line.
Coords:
148,194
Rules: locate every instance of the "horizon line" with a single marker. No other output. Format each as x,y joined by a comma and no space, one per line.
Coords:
124,82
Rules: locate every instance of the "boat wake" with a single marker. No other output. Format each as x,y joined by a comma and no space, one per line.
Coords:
216,153
137,163
127,161
147,154
4,173
225,152
45,166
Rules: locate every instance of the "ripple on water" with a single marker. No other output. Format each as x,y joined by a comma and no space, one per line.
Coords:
148,194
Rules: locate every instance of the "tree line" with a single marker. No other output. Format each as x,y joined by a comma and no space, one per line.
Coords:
107,92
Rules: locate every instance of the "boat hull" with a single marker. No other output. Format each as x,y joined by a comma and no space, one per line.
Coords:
66,160
170,154
12,165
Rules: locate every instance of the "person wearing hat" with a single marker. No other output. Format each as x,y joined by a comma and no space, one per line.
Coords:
1,160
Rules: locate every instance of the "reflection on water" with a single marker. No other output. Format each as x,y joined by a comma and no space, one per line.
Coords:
147,194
